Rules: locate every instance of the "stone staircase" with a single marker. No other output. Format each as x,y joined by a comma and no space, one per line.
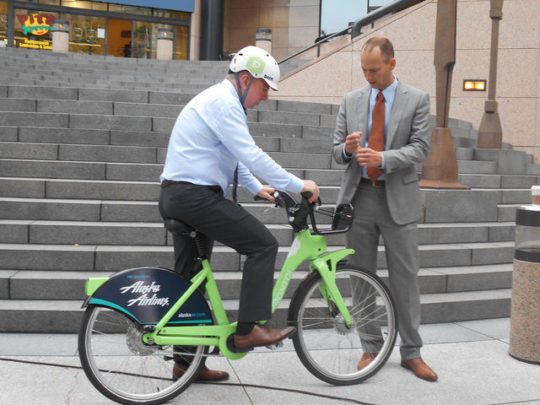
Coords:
82,143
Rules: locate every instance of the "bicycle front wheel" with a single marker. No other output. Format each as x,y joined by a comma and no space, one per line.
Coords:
125,369
328,347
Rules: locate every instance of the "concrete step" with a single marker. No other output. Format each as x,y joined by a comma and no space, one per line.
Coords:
533,169
69,285
507,161
476,167
499,180
108,76
153,233
441,206
107,190
47,93
91,137
136,154
116,257
32,169
47,70
46,316
507,212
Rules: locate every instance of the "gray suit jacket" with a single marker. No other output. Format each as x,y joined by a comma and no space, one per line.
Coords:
407,143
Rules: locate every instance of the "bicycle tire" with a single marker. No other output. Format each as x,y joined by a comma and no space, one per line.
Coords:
122,367
325,345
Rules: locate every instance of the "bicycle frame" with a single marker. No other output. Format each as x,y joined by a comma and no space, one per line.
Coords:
305,247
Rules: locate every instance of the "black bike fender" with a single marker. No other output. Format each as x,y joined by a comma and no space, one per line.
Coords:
146,294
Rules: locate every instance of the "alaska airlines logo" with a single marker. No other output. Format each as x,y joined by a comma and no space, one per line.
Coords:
148,294
36,24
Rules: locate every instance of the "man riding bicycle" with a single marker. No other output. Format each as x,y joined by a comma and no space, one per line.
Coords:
210,148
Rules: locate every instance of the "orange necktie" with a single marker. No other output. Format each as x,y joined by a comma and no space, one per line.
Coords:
376,136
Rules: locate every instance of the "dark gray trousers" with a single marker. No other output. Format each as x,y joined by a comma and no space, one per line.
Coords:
219,219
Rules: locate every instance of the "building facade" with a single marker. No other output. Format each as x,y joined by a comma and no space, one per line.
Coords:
201,29
123,28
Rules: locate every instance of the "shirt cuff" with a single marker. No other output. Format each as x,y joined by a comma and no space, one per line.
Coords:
345,155
382,163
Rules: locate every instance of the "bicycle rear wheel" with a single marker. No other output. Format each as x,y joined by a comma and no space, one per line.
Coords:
125,369
326,346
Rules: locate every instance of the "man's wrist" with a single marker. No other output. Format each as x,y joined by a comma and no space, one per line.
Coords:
346,156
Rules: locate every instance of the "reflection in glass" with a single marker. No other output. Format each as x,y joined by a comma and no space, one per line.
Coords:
182,40
84,36
3,23
144,45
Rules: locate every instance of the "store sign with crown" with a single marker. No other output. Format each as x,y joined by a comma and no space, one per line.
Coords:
36,24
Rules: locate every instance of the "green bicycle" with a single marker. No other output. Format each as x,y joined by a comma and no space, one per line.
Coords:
137,320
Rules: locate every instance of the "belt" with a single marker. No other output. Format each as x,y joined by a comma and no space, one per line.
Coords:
167,183
376,183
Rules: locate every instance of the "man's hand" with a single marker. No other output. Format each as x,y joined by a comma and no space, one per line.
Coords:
267,193
368,157
352,142
311,186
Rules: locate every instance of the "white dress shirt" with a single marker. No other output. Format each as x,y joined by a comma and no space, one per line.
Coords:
211,137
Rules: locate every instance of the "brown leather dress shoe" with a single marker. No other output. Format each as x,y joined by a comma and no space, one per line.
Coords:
261,336
366,360
420,369
205,374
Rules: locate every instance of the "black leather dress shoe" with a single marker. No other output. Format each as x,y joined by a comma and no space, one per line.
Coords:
261,336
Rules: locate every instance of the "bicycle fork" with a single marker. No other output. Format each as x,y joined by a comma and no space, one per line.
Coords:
313,248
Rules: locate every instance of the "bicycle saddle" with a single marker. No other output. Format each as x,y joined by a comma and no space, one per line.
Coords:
178,227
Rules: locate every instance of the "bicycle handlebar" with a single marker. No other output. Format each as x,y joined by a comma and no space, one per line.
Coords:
297,213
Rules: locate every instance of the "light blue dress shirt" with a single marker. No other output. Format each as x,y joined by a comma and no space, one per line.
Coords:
389,94
211,137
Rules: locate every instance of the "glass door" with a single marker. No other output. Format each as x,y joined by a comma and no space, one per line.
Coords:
119,38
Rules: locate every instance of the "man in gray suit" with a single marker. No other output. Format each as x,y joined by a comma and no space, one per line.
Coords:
381,132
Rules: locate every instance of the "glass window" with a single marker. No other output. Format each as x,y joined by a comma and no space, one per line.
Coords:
87,34
374,4
3,23
182,40
87,5
337,14
77,4
130,9
33,29
49,2
176,15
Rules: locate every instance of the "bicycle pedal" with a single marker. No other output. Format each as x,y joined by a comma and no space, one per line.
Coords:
275,345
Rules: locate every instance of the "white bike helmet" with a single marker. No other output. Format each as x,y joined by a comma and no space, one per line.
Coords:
259,63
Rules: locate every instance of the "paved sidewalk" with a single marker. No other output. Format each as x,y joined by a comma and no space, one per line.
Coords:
471,359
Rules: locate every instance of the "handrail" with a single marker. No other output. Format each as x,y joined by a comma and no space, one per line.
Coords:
358,24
